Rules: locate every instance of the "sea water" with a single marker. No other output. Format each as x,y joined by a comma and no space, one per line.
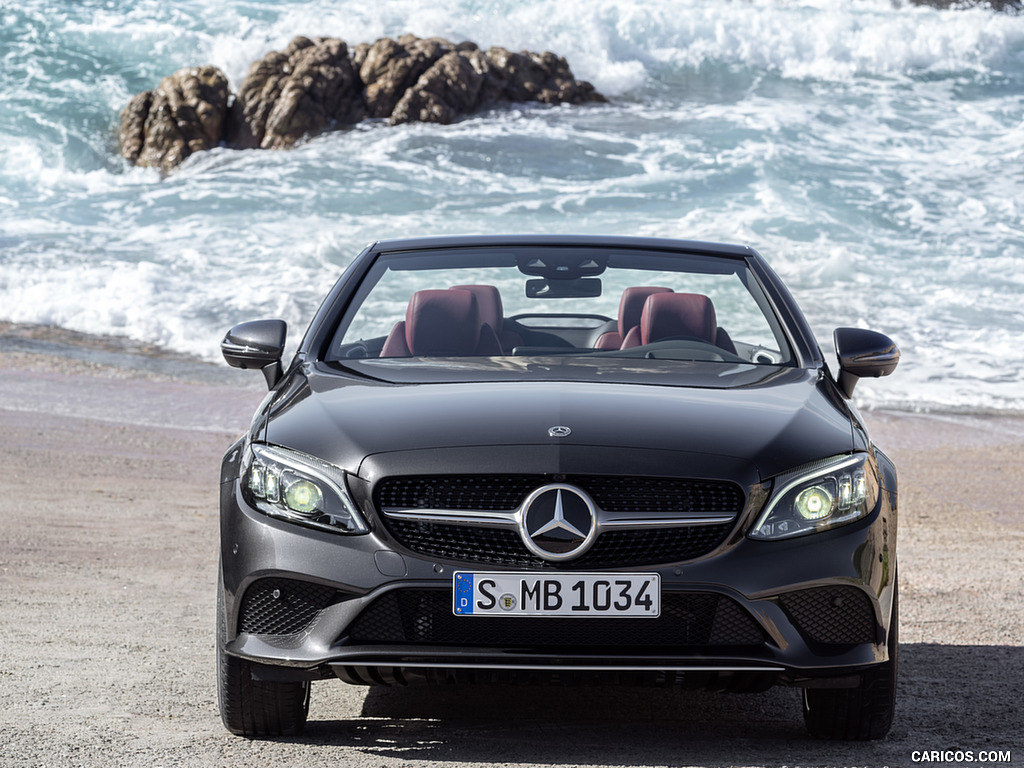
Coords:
870,150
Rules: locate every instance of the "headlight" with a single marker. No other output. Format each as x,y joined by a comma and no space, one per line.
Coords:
819,496
300,488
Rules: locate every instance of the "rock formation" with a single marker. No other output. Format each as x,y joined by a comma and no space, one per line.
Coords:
318,85
184,115
389,68
308,88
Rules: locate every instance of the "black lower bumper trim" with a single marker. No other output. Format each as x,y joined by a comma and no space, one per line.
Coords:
737,679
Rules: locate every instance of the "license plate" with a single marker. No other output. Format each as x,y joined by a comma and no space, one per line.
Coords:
557,594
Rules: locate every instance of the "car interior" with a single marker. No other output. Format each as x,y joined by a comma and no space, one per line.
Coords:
469,320
416,306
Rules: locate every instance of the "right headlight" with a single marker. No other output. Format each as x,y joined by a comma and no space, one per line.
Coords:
300,488
819,496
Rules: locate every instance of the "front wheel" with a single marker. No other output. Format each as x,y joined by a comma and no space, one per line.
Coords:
255,708
862,713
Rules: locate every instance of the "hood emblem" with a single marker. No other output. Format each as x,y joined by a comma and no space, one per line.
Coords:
558,522
559,431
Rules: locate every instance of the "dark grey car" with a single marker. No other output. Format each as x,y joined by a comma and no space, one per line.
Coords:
558,459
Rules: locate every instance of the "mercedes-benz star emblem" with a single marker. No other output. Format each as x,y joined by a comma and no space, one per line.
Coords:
559,431
558,522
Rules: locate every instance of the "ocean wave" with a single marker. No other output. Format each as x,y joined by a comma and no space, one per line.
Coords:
625,47
871,153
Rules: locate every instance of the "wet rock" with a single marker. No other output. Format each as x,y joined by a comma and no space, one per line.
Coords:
391,67
133,125
316,85
308,88
465,80
449,89
542,77
185,114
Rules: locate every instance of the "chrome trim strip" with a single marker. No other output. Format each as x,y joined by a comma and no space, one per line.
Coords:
494,519
665,522
510,519
552,667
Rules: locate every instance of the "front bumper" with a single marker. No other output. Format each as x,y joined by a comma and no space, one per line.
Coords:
809,611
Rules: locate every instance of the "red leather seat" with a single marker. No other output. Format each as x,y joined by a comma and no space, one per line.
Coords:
631,306
443,324
668,315
488,301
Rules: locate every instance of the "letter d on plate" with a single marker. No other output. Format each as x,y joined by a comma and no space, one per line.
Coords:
463,593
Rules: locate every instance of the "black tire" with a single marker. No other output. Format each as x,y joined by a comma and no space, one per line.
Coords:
863,713
255,708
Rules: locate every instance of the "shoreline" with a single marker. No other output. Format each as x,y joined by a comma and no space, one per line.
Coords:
49,349
52,371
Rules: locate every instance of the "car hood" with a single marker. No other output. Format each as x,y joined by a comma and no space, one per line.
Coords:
779,419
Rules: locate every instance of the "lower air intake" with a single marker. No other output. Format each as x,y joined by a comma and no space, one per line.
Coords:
425,617
832,615
282,608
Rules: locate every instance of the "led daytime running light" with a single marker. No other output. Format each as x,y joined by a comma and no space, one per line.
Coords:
299,488
818,496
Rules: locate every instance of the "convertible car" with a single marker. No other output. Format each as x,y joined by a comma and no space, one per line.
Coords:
558,459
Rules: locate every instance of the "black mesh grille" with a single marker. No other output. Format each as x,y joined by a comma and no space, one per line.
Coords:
641,495
458,542
462,492
647,546
614,549
282,606
620,548
425,616
832,615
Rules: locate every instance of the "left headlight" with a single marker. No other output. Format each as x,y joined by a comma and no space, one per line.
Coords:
819,496
300,488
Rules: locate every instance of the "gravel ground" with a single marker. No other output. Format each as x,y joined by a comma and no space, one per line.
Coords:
108,551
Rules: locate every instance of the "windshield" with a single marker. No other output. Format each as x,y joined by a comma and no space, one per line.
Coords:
584,303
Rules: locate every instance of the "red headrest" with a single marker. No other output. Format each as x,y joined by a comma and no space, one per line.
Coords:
442,323
631,305
678,314
488,304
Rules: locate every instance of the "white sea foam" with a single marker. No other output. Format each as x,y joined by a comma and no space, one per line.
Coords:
620,45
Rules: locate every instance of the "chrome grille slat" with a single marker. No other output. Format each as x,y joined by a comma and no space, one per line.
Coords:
510,520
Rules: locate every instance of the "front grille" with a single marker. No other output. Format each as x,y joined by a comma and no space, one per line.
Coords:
639,496
832,615
647,495
282,607
613,549
504,492
425,617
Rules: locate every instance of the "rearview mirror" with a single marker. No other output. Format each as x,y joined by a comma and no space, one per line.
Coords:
863,354
257,344
580,288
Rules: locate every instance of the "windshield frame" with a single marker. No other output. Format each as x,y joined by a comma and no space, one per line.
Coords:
773,300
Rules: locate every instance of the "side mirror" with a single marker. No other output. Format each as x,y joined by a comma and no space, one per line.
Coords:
863,354
257,344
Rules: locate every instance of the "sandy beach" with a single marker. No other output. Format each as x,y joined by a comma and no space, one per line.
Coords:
108,551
